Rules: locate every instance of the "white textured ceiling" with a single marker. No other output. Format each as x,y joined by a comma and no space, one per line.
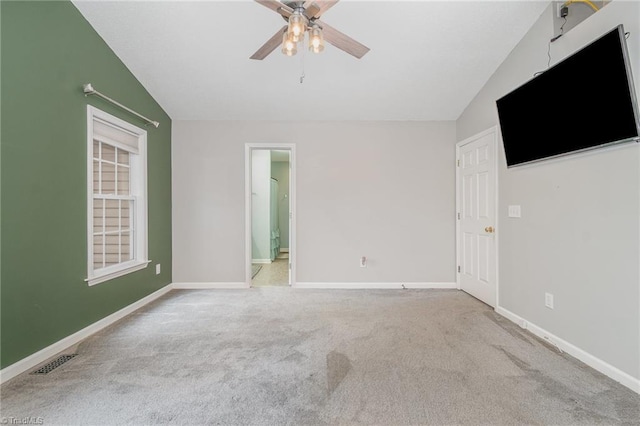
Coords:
428,59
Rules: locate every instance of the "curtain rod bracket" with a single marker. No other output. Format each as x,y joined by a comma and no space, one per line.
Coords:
88,90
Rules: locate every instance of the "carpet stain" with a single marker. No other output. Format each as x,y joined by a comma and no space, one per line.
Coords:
294,357
521,364
572,399
508,327
338,366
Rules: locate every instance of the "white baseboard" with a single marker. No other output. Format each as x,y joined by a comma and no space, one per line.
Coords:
42,355
592,361
209,285
261,261
375,286
444,285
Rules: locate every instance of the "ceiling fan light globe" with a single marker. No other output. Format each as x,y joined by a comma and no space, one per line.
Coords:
316,41
288,45
297,26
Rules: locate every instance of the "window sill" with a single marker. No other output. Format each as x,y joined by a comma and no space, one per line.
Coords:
122,270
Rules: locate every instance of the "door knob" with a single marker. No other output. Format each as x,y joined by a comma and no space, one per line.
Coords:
489,229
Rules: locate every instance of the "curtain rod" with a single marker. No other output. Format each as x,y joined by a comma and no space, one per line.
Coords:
89,90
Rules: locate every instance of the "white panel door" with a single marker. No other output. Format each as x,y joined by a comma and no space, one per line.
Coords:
476,216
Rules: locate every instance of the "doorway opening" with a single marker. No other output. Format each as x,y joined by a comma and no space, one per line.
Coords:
270,201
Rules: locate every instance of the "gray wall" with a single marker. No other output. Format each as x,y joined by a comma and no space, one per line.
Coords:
385,190
578,237
280,171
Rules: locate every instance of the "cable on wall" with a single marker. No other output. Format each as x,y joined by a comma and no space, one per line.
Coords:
587,2
564,12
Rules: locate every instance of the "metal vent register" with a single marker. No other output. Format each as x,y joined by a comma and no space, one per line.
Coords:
50,366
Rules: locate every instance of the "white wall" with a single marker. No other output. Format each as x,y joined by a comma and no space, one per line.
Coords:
261,205
385,190
579,235
280,171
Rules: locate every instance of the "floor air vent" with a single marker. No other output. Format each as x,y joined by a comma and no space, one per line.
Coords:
50,366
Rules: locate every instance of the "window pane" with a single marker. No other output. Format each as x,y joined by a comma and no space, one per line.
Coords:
125,214
116,184
126,250
108,153
96,177
112,249
98,257
108,178
123,157
96,149
98,218
111,215
123,180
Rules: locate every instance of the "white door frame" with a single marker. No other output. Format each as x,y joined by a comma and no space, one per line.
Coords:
248,149
459,145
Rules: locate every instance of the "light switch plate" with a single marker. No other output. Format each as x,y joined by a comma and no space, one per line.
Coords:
157,269
514,211
548,300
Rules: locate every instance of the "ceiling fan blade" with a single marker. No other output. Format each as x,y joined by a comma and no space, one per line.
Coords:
343,41
277,7
270,45
311,10
323,6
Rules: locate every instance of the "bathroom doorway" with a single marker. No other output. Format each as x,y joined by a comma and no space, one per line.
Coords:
270,229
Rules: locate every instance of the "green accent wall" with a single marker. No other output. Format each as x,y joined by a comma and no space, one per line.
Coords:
48,51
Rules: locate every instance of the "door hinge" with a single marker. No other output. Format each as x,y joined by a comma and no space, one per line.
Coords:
458,163
458,269
289,266
458,216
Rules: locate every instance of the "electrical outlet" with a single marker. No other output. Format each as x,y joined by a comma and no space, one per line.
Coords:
548,300
559,11
157,269
363,262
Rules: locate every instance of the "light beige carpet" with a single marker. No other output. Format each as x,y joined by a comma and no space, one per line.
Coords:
281,356
275,273
255,269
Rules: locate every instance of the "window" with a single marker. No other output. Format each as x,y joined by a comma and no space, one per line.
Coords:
117,202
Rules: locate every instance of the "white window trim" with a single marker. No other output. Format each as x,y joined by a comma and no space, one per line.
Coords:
141,259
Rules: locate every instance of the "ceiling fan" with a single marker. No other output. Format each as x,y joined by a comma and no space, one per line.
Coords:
303,17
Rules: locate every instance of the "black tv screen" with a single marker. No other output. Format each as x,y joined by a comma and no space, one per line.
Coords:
585,101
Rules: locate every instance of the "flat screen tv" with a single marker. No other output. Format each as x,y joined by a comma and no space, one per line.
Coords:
583,102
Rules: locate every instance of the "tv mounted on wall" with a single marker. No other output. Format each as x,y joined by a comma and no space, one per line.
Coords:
584,102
